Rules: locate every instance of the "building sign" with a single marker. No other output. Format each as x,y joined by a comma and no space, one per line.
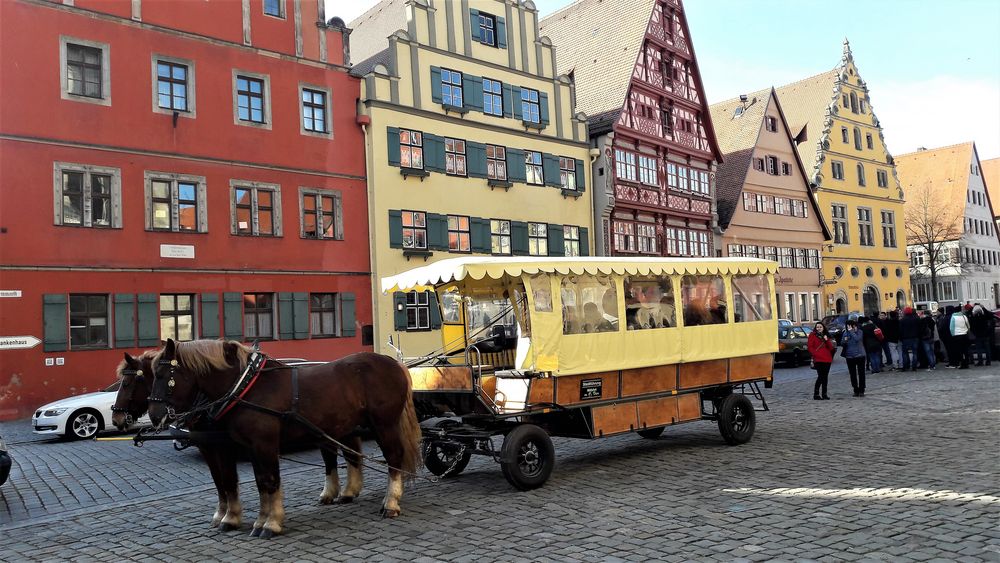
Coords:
10,292
18,342
591,389
176,251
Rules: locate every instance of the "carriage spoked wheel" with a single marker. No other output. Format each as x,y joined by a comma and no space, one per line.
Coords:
446,459
527,457
737,419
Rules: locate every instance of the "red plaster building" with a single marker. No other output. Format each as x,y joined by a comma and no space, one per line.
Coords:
638,81
184,170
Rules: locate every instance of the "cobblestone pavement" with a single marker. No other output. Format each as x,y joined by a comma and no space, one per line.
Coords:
908,472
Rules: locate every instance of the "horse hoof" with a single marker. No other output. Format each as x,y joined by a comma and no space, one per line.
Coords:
255,532
387,513
266,534
344,500
227,527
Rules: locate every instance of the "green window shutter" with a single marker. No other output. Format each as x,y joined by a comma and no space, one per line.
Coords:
300,302
348,324
286,316
515,166
55,321
502,33
581,178
434,153
519,238
557,246
543,107
393,141
515,96
395,228
474,28
399,310
435,311
508,100
550,170
584,242
477,240
232,314
475,158
124,320
210,315
437,232
472,87
149,319
436,84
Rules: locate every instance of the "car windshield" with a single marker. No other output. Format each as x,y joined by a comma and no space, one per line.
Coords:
113,387
783,332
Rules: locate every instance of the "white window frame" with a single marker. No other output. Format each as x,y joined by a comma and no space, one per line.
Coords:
327,107
57,191
421,300
64,93
191,112
267,100
201,190
275,207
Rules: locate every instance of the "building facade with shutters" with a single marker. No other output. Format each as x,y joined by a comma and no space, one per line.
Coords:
474,148
170,173
840,142
639,83
767,208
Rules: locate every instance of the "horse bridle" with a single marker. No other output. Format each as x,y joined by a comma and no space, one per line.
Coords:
171,382
137,376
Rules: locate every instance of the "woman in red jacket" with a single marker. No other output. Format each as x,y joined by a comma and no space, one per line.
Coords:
821,349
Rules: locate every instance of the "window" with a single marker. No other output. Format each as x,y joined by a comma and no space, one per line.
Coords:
771,124
85,71
772,165
274,8
647,170
530,108
857,138
487,29
256,208
451,87
702,185
888,229
258,316
322,315
813,258
752,298
649,303
496,162
538,239
771,253
854,102
314,111
761,203
847,103
671,234
758,164
458,233
492,97
845,135
87,196
869,141
567,173
646,234
735,251
798,208
175,202
800,258
786,169
790,306
322,214
882,177
500,236
454,157
418,312
750,251
704,299
625,236
414,230
250,99
571,240
682,178
88,321
177,317
861,175
840,230
703,249
171,85
411,149
803,307
533,168
865,237
838,169
625,168
786,257
682,243
590,304
779,205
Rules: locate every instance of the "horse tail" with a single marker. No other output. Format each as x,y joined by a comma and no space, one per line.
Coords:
409,430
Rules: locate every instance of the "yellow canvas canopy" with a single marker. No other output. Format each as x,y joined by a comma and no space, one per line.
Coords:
556,290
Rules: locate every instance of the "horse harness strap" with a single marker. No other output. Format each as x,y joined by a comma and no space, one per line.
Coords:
246,381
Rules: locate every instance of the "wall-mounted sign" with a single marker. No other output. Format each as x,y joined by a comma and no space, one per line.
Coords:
10,292
18,342
176,251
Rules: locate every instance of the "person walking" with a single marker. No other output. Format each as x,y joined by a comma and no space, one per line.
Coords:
821,349
909,335
873,344
854,350
927,330
981,331
940,350
947,341
890,329
960,330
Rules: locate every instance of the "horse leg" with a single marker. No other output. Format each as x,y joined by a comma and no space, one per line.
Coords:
390,440
393,492
231,484
212,460
268,476
332,488
355,478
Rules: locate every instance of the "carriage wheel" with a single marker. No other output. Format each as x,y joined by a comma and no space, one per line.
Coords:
527,457
442,458
651,433
737,419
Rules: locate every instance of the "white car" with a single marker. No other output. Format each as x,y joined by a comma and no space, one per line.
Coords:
79,417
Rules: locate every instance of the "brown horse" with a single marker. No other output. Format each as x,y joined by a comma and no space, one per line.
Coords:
362,389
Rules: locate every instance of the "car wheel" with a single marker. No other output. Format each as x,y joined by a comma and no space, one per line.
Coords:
83,425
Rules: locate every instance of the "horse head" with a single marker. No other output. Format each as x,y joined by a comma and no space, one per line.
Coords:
135,376
184,370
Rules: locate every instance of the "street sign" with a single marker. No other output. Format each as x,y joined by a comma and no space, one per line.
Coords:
18,342
10,292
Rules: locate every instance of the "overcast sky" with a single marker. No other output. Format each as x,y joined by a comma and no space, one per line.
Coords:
932,68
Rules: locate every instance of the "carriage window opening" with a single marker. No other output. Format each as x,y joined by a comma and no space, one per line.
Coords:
751,298
590,305
649,303
451,306
258,316
541,293
177,317
704,299
486,312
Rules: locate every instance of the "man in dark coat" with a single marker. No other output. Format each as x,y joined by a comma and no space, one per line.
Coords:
873,345
909,336
926,345
890,343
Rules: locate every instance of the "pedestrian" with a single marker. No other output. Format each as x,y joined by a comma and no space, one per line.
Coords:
890,329
941,355
854,350
821,349
882,323
981,331
947,342
872,342
909,336
927,330
961,334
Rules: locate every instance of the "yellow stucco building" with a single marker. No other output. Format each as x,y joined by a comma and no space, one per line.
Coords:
840,142
473,147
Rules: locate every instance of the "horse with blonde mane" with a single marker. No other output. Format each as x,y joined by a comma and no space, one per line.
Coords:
292,404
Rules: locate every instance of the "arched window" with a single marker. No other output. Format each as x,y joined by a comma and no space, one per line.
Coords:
861,174
854,102
857,138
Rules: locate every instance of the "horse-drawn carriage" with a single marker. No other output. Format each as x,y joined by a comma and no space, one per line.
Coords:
587,348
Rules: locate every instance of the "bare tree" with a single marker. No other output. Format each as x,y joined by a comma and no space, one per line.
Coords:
932,219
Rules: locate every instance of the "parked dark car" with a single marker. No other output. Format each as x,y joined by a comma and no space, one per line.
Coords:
835,324
792,346
5,462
